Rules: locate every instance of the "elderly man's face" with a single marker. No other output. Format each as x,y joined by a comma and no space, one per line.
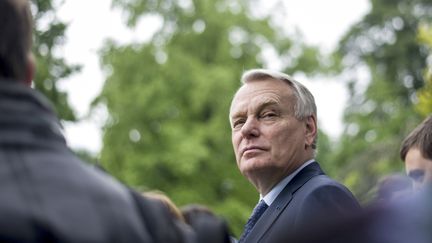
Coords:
418,167
266,136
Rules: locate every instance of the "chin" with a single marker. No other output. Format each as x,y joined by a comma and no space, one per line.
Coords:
252,166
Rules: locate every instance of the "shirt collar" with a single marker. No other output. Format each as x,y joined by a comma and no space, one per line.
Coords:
271,196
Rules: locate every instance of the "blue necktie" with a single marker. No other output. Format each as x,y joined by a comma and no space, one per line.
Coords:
256,214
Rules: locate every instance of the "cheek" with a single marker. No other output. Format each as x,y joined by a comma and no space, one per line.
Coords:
409,166
235,140
287,140
281,145
287,145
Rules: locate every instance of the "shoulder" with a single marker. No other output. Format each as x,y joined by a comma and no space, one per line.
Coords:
322,192
323,186
322,198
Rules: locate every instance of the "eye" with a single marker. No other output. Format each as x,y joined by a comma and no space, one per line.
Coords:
268,115
238,123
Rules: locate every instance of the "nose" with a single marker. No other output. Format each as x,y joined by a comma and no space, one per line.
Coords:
250,128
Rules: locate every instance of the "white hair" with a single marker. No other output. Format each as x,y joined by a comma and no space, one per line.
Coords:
304,106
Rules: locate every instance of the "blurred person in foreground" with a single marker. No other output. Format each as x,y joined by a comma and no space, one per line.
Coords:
406,217
416,152
47,193
405,221
393,187
274,131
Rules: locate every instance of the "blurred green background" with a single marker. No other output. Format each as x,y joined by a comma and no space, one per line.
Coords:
168,98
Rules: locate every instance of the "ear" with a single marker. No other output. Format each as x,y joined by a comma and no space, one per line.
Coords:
30,70
311,130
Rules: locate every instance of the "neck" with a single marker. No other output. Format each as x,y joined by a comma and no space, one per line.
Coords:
265,180
264,188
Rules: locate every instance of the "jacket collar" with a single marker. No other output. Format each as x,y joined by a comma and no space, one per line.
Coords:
26,116
284,198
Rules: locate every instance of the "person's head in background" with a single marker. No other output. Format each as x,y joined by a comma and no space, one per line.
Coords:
190,212
162,197
16,24
393,187
198,215
416,152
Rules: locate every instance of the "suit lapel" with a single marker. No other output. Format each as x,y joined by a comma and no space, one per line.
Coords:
283,199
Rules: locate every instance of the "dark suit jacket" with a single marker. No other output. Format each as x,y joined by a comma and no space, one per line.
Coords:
308,200
48,195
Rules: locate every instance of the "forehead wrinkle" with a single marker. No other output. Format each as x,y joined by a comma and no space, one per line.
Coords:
267,101
257,103
260,99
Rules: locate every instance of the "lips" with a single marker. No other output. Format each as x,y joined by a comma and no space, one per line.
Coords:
251,148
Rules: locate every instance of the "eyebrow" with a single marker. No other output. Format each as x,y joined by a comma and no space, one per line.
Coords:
267,102
259,107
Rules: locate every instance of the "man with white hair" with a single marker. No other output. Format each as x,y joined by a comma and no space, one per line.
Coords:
274,132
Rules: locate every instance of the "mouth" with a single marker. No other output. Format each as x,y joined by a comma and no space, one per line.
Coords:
251,149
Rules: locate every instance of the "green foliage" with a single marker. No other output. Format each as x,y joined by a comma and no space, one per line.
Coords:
324,153
424,106
168,100
378,117
48,38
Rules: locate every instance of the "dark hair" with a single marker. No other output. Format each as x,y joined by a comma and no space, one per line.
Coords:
15,38
191,211
208,226
165,200
420,138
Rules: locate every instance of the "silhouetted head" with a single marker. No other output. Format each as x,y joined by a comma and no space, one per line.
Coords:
16,24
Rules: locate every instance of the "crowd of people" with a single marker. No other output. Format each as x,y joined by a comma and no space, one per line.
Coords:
50,195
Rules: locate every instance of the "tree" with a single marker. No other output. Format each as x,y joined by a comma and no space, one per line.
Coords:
169,98
49,36
380,110
424,106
